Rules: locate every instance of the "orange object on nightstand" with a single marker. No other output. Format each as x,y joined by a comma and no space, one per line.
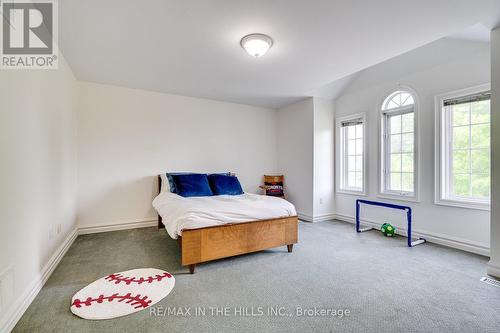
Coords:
273,186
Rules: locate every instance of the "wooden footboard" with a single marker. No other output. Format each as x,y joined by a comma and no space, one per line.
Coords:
201,245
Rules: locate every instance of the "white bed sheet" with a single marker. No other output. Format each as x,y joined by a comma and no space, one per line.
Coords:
179,213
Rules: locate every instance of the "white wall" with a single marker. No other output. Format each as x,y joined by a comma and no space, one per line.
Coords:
127,137
323,193
38,177
494,264
306,156
469,66
295,154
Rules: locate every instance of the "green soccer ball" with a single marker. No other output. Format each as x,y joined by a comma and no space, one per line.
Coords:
388,229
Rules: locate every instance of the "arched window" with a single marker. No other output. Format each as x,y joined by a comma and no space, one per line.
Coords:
399,162
398,99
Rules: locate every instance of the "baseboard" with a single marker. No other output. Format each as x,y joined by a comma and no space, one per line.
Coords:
493,269
304,217
92,229
315,218
20,306
323,217
440,239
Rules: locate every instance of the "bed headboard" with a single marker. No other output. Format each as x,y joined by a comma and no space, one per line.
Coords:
160,222
159,184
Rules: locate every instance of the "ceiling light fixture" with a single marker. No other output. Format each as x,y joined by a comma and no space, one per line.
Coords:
256,44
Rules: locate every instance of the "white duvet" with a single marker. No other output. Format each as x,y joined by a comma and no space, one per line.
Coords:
179,213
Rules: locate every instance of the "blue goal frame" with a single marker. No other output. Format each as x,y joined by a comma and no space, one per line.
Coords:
407,209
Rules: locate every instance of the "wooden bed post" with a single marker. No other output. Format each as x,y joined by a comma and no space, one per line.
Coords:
191,268
160,221
290,248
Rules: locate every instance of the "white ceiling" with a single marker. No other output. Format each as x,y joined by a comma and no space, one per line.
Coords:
191,47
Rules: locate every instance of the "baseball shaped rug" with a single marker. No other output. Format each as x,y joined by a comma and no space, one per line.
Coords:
123,293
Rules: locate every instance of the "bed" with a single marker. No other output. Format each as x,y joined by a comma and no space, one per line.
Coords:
207,232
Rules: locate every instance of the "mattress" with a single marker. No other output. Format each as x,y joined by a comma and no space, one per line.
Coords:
179,213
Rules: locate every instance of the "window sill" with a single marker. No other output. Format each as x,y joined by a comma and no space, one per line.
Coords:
352,192
463,204
398,197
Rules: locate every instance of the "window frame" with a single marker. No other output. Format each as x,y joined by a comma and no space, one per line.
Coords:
442,156
384,158
340,161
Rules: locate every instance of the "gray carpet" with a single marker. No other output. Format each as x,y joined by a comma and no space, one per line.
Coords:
386,286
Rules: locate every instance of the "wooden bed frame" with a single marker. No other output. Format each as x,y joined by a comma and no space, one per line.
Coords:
210,243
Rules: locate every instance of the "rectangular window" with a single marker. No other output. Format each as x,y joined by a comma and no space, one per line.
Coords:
398,158
464,161
352,159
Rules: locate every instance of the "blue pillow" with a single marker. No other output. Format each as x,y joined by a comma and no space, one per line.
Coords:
192,185
225,185
171,182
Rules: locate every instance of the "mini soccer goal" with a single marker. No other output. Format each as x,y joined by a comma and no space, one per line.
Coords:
407,209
